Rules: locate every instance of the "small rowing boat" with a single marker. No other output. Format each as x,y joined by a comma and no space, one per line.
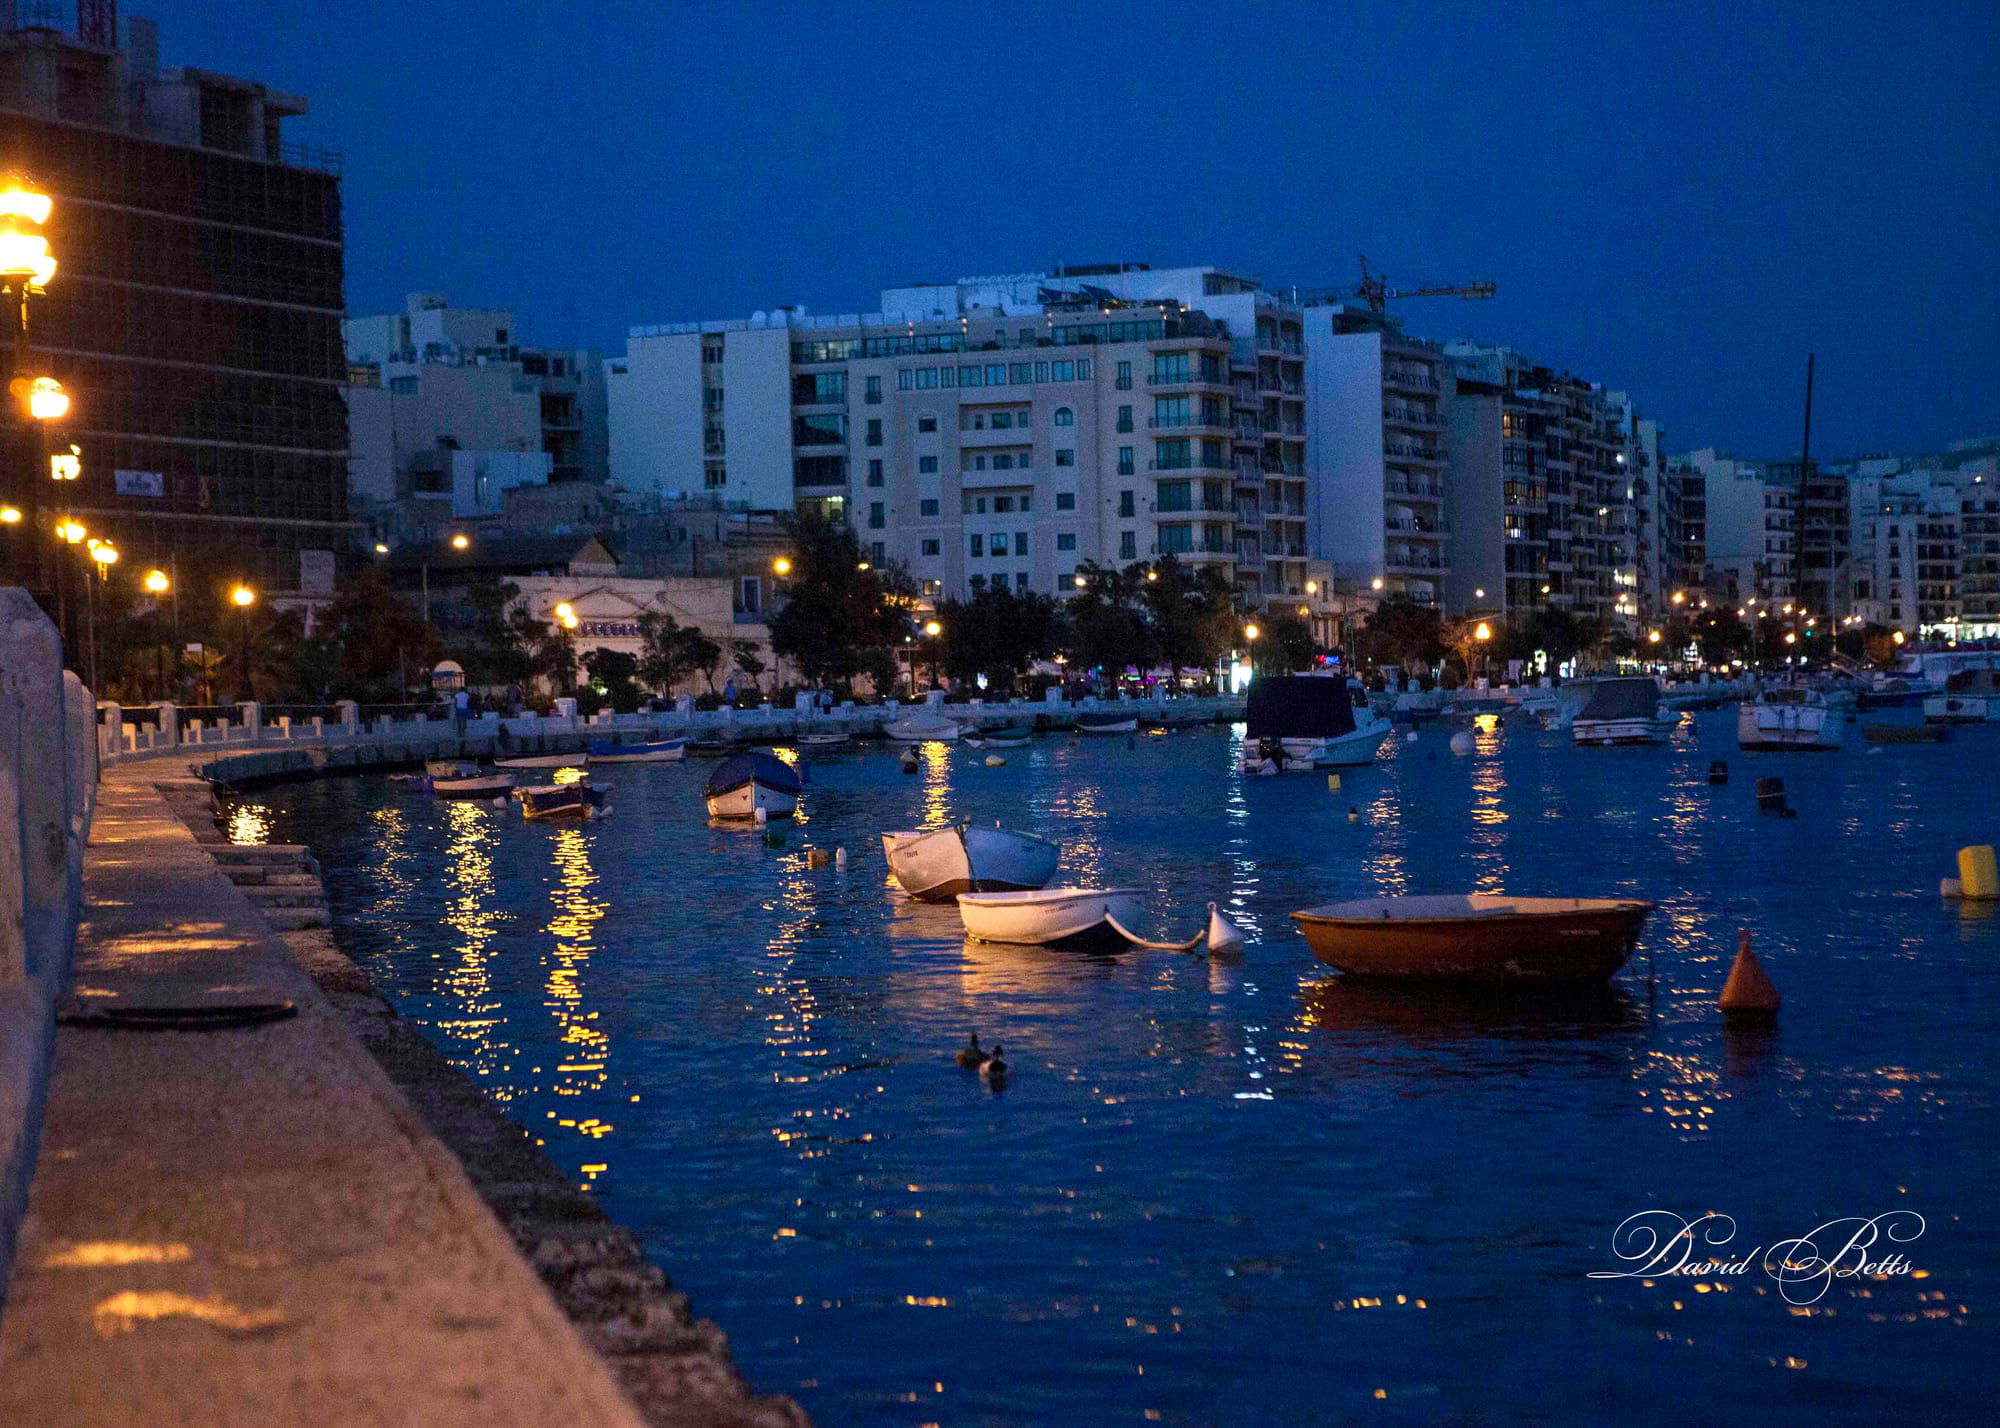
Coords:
542,761
1011,736
1483,937
939,864
578,800
1052,916
659,751
921,731
452,779
746,784
1107,723
821,742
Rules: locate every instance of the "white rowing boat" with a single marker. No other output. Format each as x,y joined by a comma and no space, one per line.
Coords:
938,864
1049,916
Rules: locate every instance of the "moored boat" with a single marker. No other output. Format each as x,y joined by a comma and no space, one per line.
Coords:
1906,733
578,800
1971,696
938,864
1009,736
1051,916
1787,718
543,761
822,742
454,779
1623,711
744,784
657,751
1302,722
1483,937
1101,723
920,730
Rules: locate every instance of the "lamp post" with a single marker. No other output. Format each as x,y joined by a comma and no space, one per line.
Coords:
566,621
26,266
932,629
244,597
157,584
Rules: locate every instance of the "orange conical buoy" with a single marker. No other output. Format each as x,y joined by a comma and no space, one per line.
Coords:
1748,995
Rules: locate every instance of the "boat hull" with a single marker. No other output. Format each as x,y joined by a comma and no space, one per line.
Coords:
1787,728
1345,751
938,865
1557,940
1601,732
1058,917
578,801
1961,709
542,761
486,786
1090,725
668,753
745,800
909,731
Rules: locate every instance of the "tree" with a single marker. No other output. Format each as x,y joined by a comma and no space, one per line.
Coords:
663,652
704,655
1284,644
373,640
1107,626
838,605
1191,612
1402,632
614,673
491,646
997,633
743,653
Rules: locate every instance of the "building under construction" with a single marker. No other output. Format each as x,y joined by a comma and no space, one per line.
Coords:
196,318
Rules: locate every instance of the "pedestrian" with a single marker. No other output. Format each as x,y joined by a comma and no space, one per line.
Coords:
729,692
461,705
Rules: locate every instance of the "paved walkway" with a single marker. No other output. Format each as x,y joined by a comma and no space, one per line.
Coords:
252,1226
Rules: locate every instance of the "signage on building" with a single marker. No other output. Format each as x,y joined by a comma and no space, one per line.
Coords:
140,483
316,572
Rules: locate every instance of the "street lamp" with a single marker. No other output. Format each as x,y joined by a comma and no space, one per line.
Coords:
381,549
933,628
1079,581
1312,587
71,532
46,399
461,541
782,565
26,266
157,583
10,515
1251,632
1652,637
1376,583
244,597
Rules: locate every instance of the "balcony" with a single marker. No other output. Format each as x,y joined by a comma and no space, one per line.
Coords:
1431,530
1411,417
1193,423
1219,381
1409,451
986,437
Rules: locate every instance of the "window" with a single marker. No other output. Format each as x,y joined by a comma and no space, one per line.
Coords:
971,376
1065,456
1000,580
1020,543
927,508
927,465
906,378
1065,500
1004,461
996,374
1003,504
976,543
1125,461
933,587
1066,541
1124,418
819,429
1022,372
1171,411
820,471
1176,540
930,547
878,516
999,542
711,349
877,551
749,594
875,471
1003,421
873,395
1064,417
1062,371
1125,504
1027,502
1172,455
819,387
1124,376
874,437
714,475
1128,545
1170,366
1173,496
972,505
1020,580
926,423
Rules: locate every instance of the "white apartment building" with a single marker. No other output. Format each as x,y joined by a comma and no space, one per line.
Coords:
1001,430
1752,529
1925,537
446,410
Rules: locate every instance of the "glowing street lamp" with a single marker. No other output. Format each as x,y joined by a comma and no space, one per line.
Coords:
1312,587
26,265
782,565
1376,583
46,399
461,541
71,532
156,582
66,465
381,549
1251,632
1079,581
1483,632
565,611
10,515
1897,636
244,597
1152,575
1652,637
933,628
1680,597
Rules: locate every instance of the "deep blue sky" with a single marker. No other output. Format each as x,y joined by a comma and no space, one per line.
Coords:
1679,200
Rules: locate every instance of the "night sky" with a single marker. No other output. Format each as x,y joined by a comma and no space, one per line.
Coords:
1676,200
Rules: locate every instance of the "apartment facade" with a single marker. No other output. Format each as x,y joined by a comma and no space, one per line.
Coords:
1001,430
447,410
1925,540
1752,530
196,316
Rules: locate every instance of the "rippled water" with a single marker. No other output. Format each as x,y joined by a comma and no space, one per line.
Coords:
1239,1190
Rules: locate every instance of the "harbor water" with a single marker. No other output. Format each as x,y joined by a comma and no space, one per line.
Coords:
1240,1189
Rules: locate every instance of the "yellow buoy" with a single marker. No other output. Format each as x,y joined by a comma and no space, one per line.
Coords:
818,858
1333,783
1977,875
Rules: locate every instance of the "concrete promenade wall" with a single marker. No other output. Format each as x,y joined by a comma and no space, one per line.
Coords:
48,782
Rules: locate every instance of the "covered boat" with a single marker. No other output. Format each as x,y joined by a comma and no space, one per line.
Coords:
577,800
744,783
921,729
939,864
456,779
1481,937
1007,736
1623,711
658,751
1304,722
1971,696
1103,723
1786,718
1053,915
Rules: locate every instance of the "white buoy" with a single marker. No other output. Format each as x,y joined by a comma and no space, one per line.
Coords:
1411,737
1223,935
1463,743
760,817
840,859
994,761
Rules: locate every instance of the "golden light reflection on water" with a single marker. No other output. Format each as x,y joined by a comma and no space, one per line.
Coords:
250,824
472,913
1487,841
584,1051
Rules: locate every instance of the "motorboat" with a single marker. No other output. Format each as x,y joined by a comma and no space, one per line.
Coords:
1416,707
453,779
1892,692
1481,937
543,761
1051,916
937,864
1107,723
658,751
1010,736
1623,711
821,742
1302,722
1788,718
1906,733
1971,696
577,800
745,784
921,730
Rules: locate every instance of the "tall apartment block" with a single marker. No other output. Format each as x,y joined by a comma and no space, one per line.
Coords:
1003,430
1752,529
196,316
1376,429
447,409
1925,539
1543,505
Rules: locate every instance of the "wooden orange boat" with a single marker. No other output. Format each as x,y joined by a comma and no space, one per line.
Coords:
1480,937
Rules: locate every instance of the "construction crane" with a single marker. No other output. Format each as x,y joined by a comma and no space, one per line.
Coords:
1374,290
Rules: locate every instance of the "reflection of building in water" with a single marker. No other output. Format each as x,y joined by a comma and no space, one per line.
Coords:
583,1050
